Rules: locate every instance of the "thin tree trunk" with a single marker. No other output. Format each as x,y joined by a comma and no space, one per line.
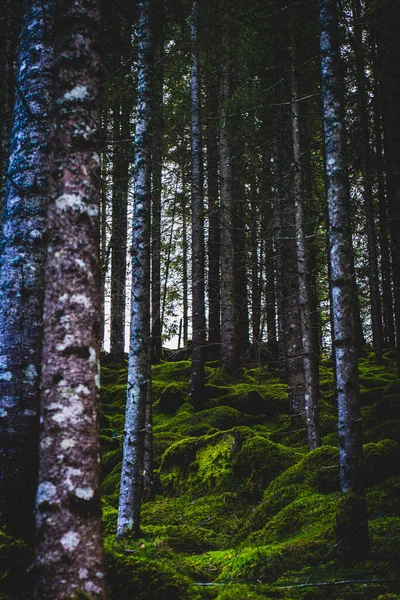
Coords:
366,168
120,175
214,328
229,350
156,160
69,557
384,240
310,359
255,268
352,530
185,309
139,351
21,271
196,385
388,43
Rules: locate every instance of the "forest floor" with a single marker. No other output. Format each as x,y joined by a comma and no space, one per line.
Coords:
242,510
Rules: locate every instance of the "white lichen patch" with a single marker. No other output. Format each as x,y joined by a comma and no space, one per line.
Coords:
71,412
70,540
7,376
92,356
82,389
69,474
76,202
29,413
30,372
82,300
67,443
85,493
46,492
79,92
92,588
83,573
97,380
3,413
35,234
80,263
63,298
68,341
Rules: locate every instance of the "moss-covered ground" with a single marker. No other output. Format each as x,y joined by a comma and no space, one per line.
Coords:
242,509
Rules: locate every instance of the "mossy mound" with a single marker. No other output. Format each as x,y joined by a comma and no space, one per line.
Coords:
142,578
241,503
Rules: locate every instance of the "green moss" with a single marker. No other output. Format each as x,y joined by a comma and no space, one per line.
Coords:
171,398
259,460
143,579
381,460
15,558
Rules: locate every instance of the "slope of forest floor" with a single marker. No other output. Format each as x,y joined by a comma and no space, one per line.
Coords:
242,509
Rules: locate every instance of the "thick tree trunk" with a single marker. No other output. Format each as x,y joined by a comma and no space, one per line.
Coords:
352,530
185,303
196,385
21,271
156,174
310,358
366,168
139,351
120,175
69,557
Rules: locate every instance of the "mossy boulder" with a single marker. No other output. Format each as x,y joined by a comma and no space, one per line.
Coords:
171,399
141,578
259,460
380,460
389,406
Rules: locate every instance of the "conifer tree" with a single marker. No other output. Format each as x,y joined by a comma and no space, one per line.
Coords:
69,554
139,349
21,270
352,530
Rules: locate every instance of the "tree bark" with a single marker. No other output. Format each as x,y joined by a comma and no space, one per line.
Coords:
21,271
388,42
120,176
196,385
139,351
352,530
214,328
310,358
69,556
366,168
229,350
156,173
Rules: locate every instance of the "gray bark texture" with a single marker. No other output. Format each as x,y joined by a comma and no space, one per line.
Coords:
310,358
352,528
139,350
366,169
156,174
196,386
229,350
21,271
120,177
69,554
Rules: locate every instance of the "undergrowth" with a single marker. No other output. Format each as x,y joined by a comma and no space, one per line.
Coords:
242,509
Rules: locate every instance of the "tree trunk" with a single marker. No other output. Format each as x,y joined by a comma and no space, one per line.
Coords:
255,269
229,350
384,240
120,175
352,530
21,271
196,385
139,351
69,557
310,358
214,328
388,41
366,168
156,173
